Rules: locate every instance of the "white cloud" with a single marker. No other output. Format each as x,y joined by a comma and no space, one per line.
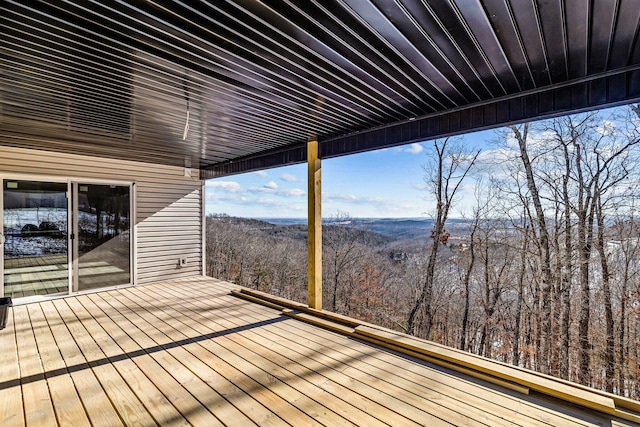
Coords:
262,174
289,177
414,148
375,204
225,198
295,192
252,206
271,185
226,186
278,205
272,188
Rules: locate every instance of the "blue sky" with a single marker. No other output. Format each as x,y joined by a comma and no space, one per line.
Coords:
386,183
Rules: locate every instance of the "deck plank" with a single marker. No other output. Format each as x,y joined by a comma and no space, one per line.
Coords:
64,396
112,402
201,364
290,400
229,382
505,400
438,385
412,399
38,407
448,386
285,369
157,365
11,409
144,400
220,396
404,401
327,377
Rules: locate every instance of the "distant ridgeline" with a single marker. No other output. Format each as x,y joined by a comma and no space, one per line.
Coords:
397,228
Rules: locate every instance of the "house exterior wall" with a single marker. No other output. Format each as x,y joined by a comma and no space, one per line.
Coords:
168,205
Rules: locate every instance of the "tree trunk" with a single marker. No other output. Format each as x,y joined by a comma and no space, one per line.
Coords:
622,353
567,272
584,212
609,354
427,289
467,289
556,306
547,280
584,350
518,313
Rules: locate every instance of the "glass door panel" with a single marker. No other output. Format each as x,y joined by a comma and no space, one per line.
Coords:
103,236
35,228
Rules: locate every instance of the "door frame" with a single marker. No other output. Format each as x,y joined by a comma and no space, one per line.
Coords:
34,178
74,251
72,225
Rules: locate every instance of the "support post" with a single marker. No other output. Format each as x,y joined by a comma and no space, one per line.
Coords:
314,215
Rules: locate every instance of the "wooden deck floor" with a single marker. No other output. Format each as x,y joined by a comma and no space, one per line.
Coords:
188,353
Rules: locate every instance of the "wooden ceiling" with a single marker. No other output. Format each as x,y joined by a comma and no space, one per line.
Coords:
239,85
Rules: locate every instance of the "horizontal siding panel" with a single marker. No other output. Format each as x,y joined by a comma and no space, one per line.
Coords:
176,209
171,263
150,242
168,211
157,272
169,232
157,216
159,201
122,174
156,204
189,226
172,247
177,205
149,251
166,195
156,249
182,246
95,168
187,205
159,257
59,162
167,187
178,274
153,218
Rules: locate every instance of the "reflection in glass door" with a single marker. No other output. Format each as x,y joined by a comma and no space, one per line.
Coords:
103,236
35,219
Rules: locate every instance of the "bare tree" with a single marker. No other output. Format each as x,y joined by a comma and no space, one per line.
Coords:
521,135
522,269
444,175
343,246
494,258
470,250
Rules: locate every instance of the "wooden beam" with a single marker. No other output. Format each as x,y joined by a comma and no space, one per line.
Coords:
314,215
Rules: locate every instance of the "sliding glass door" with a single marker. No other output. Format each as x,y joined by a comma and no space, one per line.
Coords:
103,236
62,237
35,238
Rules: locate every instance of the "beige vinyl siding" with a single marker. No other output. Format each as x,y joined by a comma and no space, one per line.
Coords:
168,205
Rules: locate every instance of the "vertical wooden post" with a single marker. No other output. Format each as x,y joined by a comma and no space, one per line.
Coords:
314,245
